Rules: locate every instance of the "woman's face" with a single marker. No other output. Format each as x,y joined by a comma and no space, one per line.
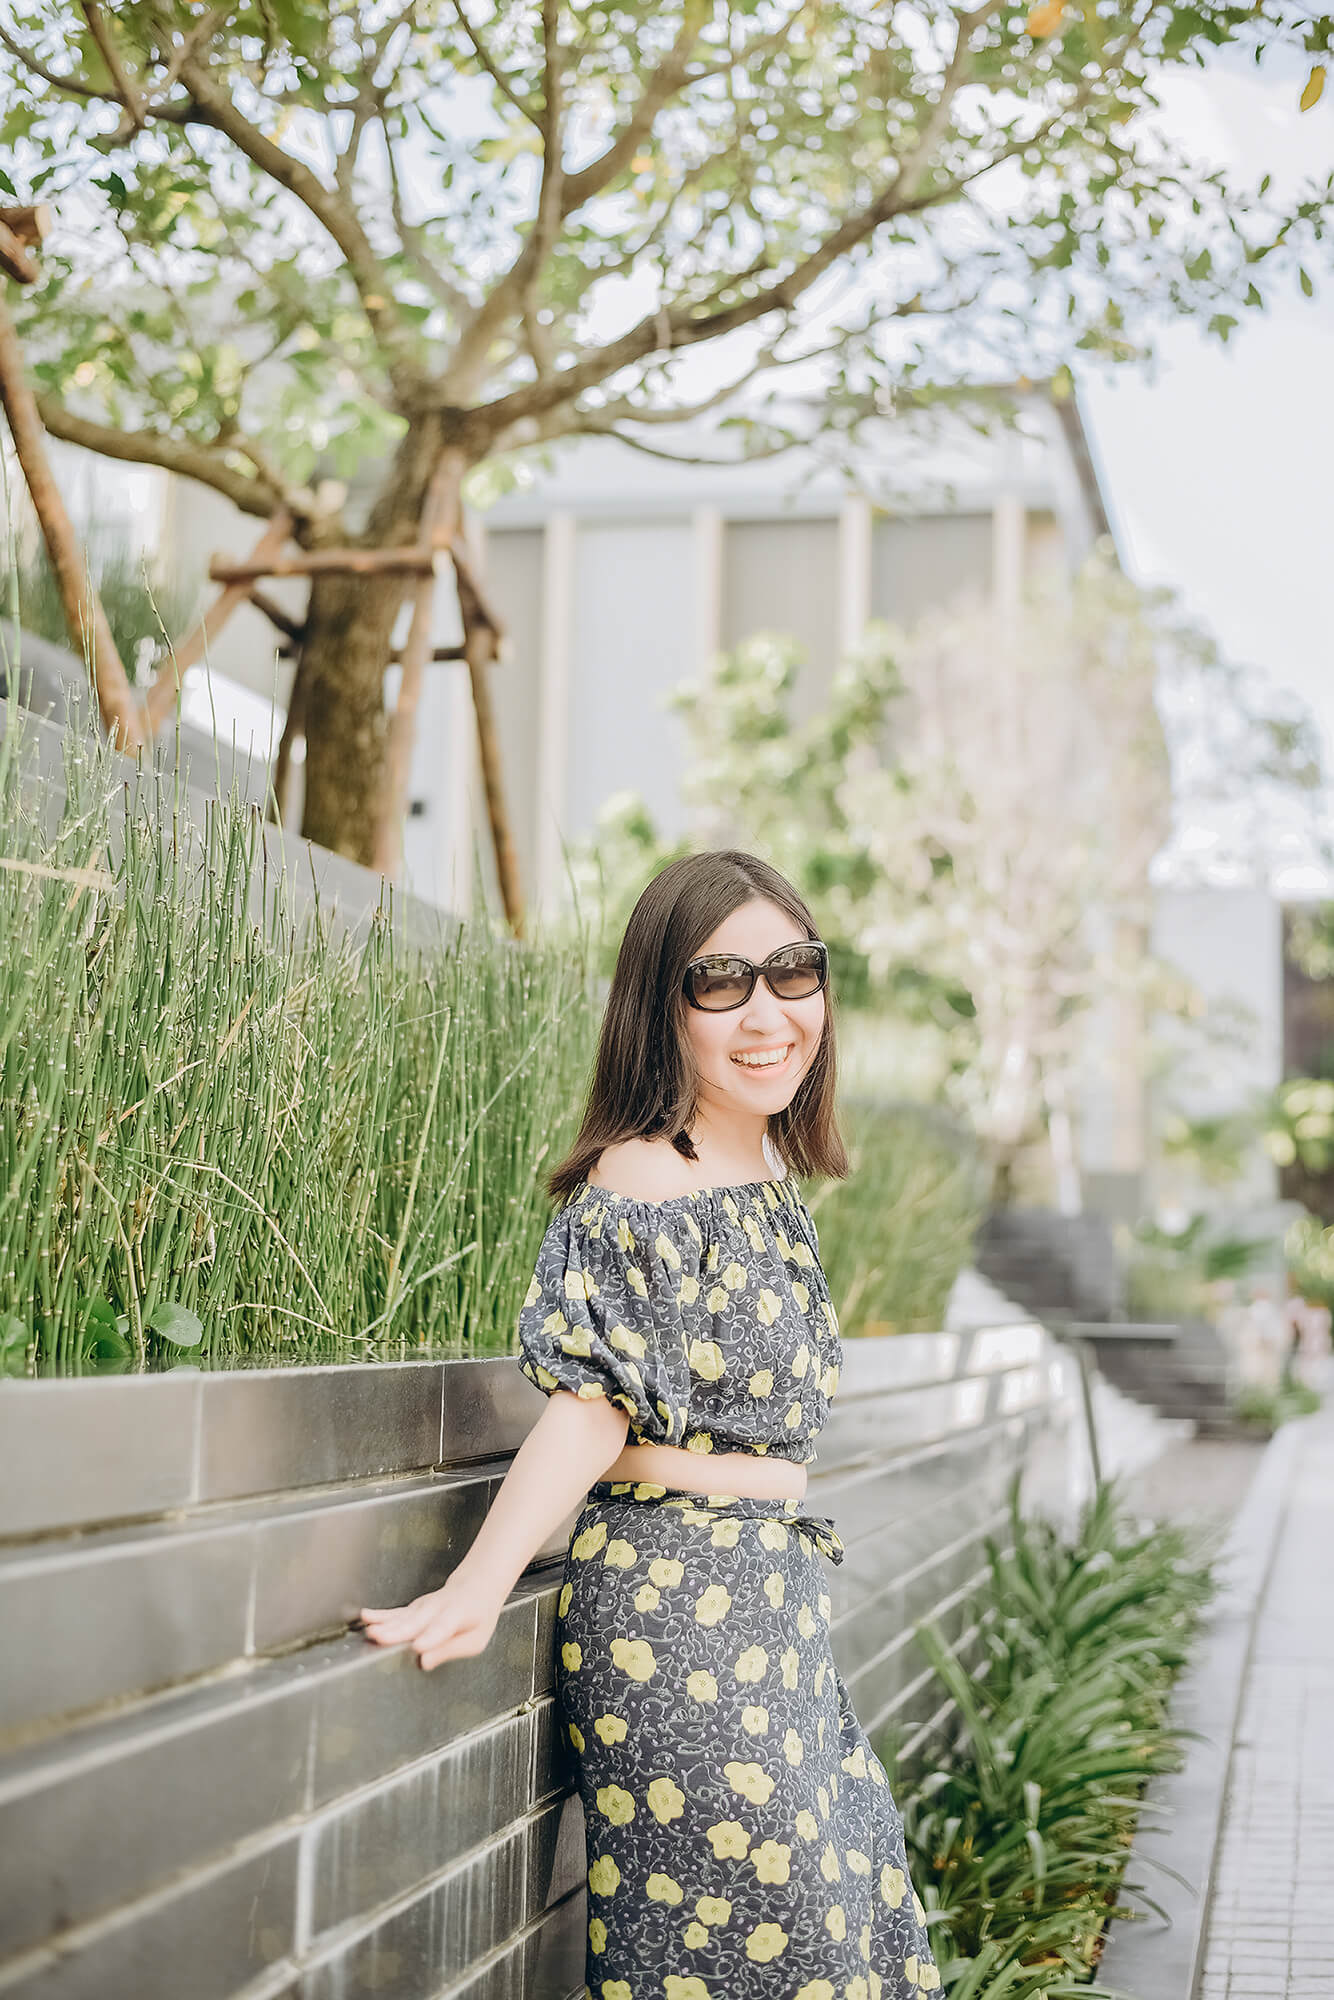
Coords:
752,1059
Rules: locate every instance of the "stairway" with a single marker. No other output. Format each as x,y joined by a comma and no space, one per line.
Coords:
1065,1271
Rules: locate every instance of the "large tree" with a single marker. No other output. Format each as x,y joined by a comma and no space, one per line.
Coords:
306,239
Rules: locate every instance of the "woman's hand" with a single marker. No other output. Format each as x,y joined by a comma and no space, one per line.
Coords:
453,1623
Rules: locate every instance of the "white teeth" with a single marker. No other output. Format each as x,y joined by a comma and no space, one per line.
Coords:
769,1060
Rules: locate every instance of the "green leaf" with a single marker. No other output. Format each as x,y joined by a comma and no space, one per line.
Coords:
13,1334
1304,280
177,1324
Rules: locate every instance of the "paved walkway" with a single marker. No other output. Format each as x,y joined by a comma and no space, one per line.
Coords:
1271,1928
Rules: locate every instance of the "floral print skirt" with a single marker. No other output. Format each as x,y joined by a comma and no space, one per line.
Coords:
742,1840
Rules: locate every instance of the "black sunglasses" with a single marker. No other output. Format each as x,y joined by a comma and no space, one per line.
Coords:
722,982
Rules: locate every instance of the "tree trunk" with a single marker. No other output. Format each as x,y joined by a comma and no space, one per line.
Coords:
349,633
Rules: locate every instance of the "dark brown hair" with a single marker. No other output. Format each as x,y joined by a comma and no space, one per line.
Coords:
644,1082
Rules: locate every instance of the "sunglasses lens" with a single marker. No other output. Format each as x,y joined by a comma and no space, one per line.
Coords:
798,972
720,983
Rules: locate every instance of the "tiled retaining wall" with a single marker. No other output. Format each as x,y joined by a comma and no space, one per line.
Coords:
209,1786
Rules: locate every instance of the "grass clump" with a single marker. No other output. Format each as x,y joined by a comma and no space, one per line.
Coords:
894,1236
229,1130
1020,1835
1264,1409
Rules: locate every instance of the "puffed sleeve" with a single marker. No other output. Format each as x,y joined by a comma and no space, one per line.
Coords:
602,1316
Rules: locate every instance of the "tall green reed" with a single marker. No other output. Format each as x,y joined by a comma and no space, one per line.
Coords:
320,1145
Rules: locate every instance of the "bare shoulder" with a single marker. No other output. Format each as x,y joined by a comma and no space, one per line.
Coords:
643,1170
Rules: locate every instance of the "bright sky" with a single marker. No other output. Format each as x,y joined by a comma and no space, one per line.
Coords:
1219,464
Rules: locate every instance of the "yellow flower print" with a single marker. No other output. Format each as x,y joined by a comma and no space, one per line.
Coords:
717,1298
646,1490
836,1923
921,1974
773,1534
711,1261
620,1555
728,1839
588,1544
588,1392
829,1380
829,1867
713,1910
766,1942
580,1285
814,1989
859,1863
634,1657
806,1825
734,1277
726,1534
662,1889
803,1256
532,1295
577,1737
666,1572
668,1252
775,1589
666,1801
752,1781
801,1295
634,1277
864,1942
767,1307
563,1601
772,1861
693,1228
578,1342
677,1988
824,1605
625,1235
755,1721
762,1383
688,1291
801,1361
713,1606
793,1417
597,1935
730,1209
790,1663
855,1764
806,1621
555,1323
616,1989
706,1360
611,1729
819,1676
753,1664
615,1804
695,1936
752,1229
819,1733
604,1876
793,1747
893,1886
647,1598
572,1655
877,1773
702,1685
877,1984
627,1341
917,1909
822,1800
544,1377
856,1989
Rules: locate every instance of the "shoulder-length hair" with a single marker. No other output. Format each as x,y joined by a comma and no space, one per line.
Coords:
644,1080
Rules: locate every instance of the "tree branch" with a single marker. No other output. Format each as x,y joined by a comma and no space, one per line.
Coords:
252,496
493,69
73,85
126,92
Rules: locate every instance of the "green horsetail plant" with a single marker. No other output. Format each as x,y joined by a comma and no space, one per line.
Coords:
232,1133
1020,1834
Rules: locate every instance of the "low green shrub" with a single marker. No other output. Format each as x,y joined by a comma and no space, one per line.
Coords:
226,1131
1265,1409
1019,1835
894,1236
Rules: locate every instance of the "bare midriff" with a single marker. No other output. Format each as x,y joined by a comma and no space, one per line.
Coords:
744,1473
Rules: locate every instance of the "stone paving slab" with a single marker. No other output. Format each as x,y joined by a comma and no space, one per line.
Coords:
1270,1932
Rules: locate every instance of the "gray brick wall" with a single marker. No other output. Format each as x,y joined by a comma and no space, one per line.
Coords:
209,1787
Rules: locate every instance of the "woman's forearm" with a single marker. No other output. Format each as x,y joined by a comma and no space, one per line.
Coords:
566,1452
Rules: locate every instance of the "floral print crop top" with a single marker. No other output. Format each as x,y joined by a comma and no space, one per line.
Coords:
705,1317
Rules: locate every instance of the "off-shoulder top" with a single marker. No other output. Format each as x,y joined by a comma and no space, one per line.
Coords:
706,1317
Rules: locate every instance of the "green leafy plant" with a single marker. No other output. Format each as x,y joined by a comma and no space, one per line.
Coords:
1309,1250
224,1133
143,614
896,1233
1019,1832
1265,1409
1170,1274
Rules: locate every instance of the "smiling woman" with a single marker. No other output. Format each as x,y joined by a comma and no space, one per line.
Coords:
742,1840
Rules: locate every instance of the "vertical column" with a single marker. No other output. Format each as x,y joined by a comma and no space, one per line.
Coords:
854,571
707,523
553,696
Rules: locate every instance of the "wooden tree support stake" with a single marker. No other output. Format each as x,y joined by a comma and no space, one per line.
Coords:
411,561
